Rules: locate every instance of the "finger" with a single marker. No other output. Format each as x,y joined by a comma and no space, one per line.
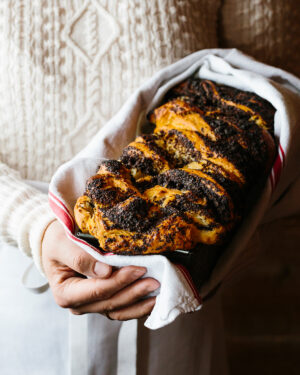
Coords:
76,291
123,298
136,311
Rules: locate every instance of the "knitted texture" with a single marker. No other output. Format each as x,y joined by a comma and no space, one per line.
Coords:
268,30
25,214
66,67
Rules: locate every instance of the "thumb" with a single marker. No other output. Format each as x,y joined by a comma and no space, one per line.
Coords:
80,261
60,249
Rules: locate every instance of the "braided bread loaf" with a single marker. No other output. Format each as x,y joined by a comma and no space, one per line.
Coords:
188,181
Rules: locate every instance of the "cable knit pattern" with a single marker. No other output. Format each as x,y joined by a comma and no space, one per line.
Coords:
69,66
269,30
66,67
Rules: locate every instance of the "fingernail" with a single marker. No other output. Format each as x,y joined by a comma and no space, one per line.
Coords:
102,270
153,286
139,272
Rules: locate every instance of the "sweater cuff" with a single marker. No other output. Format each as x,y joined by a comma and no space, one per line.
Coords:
32,231
25,214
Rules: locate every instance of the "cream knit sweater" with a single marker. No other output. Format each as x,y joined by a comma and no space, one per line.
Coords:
66,67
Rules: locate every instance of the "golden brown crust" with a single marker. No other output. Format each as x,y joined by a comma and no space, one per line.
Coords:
164,233
187,182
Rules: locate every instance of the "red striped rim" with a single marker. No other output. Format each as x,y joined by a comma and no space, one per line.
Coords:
63,214
63,206
282,153
277,167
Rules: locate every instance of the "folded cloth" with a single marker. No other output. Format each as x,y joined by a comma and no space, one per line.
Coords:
177,293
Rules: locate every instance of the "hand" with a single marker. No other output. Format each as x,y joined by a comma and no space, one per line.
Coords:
116,293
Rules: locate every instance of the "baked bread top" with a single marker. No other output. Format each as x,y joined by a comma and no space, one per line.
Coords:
188,182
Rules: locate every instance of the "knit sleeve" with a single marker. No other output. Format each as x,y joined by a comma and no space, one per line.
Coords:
25,214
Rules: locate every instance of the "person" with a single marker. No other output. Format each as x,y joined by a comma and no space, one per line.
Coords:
66,68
